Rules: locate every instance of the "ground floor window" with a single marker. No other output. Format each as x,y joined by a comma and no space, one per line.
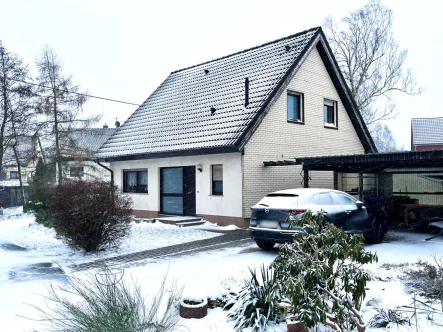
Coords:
135,181
76,172
217,179
13,174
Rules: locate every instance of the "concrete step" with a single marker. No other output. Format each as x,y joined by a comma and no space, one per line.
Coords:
173,220
190,223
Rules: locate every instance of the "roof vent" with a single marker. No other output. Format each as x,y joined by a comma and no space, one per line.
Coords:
212,110
288,48
246,91
105,126
206,71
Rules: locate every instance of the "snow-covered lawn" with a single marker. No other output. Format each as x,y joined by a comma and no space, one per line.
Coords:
204,274
42,241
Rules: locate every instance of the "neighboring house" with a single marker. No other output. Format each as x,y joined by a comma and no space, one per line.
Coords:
426,134
9,180
197,145
78,149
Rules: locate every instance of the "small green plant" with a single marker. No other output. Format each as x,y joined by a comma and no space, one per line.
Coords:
255,305
103,302
387,317
320,274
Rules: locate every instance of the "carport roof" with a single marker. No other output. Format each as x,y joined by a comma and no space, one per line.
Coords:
366,163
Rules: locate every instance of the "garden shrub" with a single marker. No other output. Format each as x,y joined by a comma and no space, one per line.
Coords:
90,215
104,302
387,318
426,278
256,304
39,189
320,274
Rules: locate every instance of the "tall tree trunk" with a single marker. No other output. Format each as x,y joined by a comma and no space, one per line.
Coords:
57,142
5,114
19,167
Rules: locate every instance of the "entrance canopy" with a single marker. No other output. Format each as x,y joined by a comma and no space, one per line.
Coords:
369,163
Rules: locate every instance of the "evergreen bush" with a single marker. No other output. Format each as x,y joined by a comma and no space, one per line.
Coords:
256,304
39,190
320,274
90,214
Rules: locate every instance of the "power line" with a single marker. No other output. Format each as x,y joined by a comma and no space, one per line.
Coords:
76,93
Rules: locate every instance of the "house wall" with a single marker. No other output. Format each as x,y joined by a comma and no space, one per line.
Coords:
277,139
226,209
91,170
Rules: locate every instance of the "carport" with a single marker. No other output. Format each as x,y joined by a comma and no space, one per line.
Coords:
412,179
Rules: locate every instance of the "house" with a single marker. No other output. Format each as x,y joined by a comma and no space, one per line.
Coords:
426,134
78,147
197,145
10,190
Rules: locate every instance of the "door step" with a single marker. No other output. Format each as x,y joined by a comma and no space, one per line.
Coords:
190,223
174,220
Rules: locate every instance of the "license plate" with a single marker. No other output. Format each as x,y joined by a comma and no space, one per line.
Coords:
269,224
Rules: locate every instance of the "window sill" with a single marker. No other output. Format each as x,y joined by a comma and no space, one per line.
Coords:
296,121
216,195
329,126
134,193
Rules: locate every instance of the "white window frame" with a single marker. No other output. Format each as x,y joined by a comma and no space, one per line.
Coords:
333,103
301,106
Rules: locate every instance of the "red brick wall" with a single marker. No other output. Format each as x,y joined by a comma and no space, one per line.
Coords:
428,147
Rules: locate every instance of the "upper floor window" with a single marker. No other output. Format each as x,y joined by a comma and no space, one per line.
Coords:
295,107
330,113
135,181
217,179
76,172
13,174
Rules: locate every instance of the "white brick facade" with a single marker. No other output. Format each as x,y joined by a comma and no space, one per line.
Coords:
277,139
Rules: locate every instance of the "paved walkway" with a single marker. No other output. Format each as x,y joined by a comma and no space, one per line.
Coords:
228,239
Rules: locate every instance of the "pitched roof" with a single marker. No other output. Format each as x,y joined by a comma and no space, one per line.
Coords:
82,142
427,131
25,150
202,108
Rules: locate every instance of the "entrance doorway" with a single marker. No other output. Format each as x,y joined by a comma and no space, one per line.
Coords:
177,191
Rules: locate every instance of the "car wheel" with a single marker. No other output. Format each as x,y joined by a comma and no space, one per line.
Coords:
377,232
265,245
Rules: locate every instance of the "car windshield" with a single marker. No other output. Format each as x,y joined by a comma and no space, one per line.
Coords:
279,200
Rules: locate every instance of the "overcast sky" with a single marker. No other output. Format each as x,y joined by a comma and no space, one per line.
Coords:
125,49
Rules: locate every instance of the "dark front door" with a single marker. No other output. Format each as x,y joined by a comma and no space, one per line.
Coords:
177,190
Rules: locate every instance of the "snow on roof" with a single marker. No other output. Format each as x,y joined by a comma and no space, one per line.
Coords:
204,106
11,183
427,131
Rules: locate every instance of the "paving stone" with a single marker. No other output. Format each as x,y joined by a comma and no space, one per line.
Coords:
228,239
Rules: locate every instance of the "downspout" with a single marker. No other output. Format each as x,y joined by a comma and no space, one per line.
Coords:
108,169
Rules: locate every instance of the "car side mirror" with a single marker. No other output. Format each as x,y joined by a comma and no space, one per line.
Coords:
359,204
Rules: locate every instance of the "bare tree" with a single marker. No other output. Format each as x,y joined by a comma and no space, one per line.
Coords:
15,108
383,138
60,103
371,60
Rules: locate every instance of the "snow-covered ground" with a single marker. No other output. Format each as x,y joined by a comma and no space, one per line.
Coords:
204,274
42,241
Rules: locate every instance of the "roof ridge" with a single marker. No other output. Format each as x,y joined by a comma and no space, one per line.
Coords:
248,49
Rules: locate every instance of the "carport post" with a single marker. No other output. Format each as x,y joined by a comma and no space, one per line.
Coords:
360,186
305,178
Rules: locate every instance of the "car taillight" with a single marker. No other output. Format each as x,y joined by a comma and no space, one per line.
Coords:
295,212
